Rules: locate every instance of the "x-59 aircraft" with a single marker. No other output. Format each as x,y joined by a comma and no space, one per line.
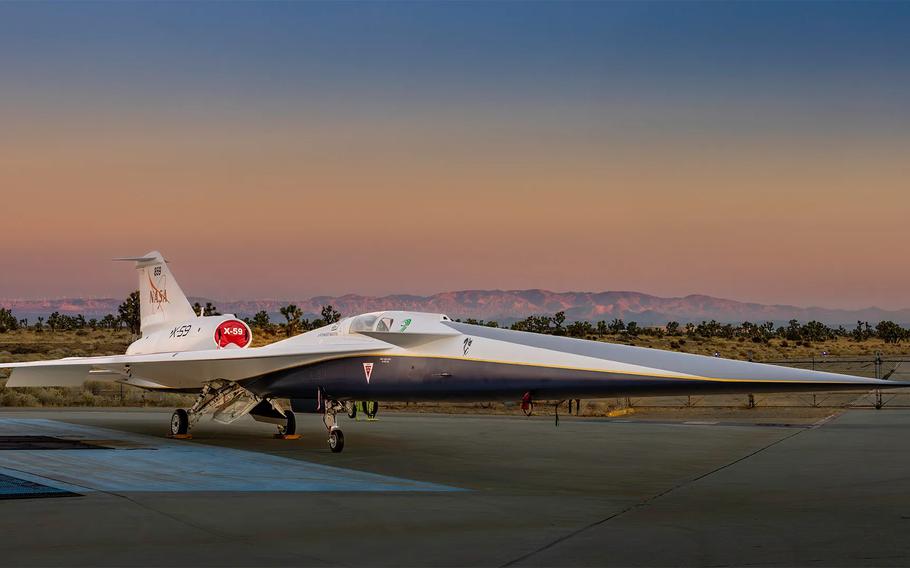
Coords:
388,356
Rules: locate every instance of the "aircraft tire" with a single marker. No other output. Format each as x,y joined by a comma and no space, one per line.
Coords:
336,441
180,422
352,413
291,427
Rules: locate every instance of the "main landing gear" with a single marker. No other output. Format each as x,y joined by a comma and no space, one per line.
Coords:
180,423
290,428
227,401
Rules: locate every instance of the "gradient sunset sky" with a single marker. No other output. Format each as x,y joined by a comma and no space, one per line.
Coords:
755,151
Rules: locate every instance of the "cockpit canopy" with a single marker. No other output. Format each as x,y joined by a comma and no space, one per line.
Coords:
371,322
390,321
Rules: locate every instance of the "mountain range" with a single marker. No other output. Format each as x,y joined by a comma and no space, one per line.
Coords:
506,306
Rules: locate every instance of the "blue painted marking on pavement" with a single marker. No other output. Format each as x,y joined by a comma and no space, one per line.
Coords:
163,465
17,488
59,485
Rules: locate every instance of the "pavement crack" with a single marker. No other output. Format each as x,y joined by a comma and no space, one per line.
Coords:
656,496
89,489
206,530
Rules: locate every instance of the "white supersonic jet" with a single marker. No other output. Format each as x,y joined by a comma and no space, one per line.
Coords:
388,356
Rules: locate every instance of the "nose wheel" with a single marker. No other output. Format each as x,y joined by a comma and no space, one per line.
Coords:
336,440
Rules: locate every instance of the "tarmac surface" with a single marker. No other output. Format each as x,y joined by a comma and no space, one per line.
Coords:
443,490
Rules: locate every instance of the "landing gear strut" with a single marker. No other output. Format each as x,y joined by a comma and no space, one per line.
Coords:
336,437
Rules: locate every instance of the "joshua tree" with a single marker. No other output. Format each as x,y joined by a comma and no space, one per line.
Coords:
7,320
292,314
208,310
329,315
890,332
261,321
129,312
110,321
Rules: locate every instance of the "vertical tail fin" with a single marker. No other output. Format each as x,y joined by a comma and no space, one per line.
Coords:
161,301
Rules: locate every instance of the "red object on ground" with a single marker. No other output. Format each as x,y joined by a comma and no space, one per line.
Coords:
526,402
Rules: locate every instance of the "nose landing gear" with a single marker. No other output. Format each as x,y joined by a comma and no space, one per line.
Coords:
336,437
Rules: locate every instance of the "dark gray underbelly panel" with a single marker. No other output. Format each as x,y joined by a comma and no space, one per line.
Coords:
409,378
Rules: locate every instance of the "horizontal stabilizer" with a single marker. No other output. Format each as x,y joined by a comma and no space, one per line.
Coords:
136,259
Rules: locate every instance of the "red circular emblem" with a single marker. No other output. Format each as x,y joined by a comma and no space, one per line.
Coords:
232,332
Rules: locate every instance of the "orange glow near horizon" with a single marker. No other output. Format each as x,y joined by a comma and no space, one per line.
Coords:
250,213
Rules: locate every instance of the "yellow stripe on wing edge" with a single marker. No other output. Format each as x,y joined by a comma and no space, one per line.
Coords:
614,371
